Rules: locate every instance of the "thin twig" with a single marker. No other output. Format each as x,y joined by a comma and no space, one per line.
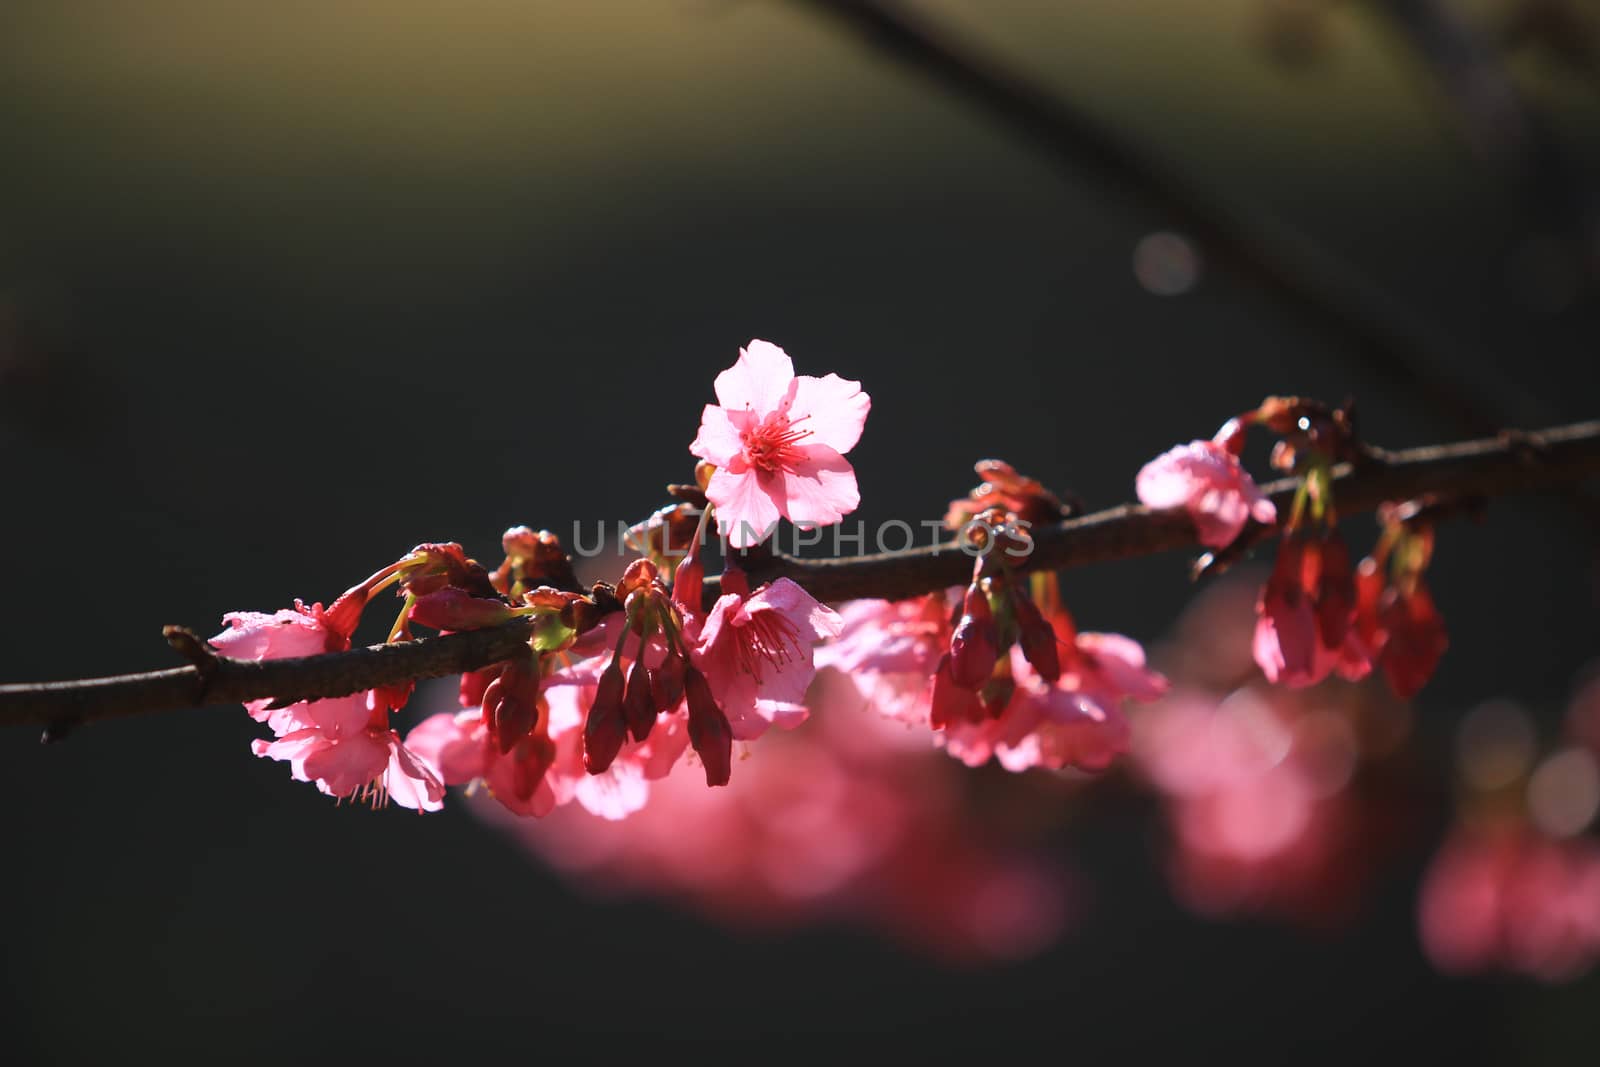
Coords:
1509,462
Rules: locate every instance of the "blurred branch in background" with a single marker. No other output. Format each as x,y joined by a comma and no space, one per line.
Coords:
1499,123
1509,462
1389,342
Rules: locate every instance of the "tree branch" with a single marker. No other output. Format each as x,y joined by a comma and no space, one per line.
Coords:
1388,342
1510,462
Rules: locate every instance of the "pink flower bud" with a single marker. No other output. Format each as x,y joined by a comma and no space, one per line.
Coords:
666,683
605,729
515,700
688,584
974,647
709,731
1037,638
950,702
638,705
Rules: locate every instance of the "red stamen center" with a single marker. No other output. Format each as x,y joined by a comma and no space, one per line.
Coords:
773,445
767,638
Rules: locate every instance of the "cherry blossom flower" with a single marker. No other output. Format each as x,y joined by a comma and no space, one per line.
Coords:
1306,616
343,744
1206,479
778,443
755,650
887,650
369,764
286,634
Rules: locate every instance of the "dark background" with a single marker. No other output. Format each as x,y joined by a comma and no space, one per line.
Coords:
288,288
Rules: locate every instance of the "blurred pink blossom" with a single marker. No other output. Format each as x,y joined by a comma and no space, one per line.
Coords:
1207,480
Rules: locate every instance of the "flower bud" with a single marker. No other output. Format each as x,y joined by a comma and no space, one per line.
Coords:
1037,638
688,585
709,731
666,683
639,575
974,647
605,729
951,702
517,694
638,704
451,608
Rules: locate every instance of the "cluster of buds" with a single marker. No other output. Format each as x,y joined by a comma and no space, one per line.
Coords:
973,680
662,676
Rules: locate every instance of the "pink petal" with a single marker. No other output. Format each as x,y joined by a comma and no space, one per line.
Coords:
452,744
614,795
283,635
820,490
719,440
344,766
746,511
411,783
760,380
804,611
832,408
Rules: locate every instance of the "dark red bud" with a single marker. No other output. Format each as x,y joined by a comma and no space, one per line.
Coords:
666,683
1416,641
638,705
1335,593
709,731
1369,591
951,702
451,608
511,703
605,729
974,647
1037,638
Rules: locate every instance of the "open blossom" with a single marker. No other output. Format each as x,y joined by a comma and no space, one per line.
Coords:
887,650
755,650
343,744
778,443
1206,479
1306,616
368,764
1077,721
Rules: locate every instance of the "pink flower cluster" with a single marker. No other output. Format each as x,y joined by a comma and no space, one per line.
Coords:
344,744
1273,798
